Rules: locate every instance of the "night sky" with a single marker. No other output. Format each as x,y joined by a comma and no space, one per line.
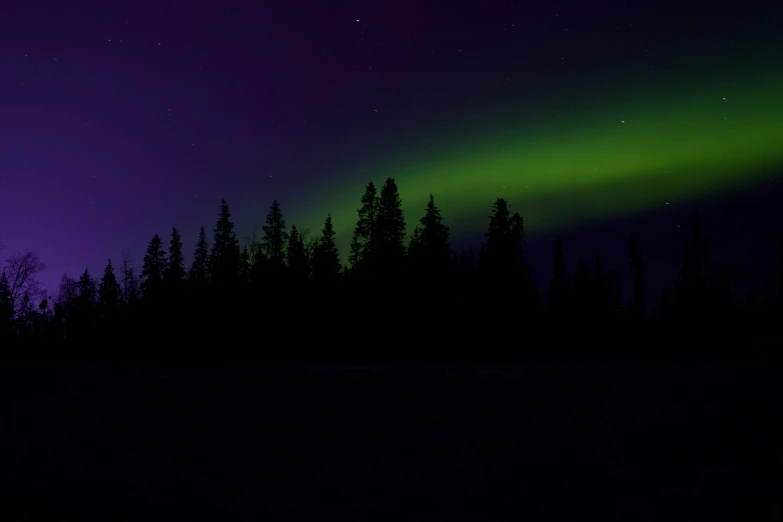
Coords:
119,121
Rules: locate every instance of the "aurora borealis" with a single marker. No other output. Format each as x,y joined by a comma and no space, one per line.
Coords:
120,122
611,158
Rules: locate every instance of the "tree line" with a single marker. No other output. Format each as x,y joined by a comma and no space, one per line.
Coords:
284,295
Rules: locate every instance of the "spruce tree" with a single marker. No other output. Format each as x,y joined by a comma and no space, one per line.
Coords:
415,257
326,257
583,295
691,290
363,242
175,268
274,239
153,268
244,263
298,265
502,252
130,284
109,292
779,264
199,269
224,257
85,303
638,308
435,248
559,286
390,231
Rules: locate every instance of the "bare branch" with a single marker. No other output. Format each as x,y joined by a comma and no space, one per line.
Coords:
22,271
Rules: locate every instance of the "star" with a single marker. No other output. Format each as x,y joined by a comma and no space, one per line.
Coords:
622,121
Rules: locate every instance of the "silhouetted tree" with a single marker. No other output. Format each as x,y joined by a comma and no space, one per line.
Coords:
606,291
298,264
244,263
274,239
23,271
434,241
691,289
199,269
390,231
779,264
583,292
130,284
558,299
224,258
175,268
326,258
502,255
109,293
363,242
153,268
84,309
415,257
638,308
6,308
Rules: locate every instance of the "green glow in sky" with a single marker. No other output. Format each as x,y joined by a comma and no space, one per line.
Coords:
563,167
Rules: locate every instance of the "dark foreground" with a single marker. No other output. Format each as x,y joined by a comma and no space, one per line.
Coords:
413,443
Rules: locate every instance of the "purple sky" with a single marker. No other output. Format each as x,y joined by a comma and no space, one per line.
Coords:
119,121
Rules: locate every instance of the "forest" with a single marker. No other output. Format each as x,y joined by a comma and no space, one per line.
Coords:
284,296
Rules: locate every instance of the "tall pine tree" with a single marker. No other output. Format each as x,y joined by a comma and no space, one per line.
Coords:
175,268
153,268
274,239
638,308
326,257
199,269
298,264
363,242
224,258
558,299
502,257
435,248
390,231
109,293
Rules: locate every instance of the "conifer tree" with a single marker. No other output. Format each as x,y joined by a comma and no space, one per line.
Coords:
363,242
502,252
691,290
298,265
130,283
559,287
224,257
199,269
153,268
175,268
109,292
390,230
583,291
244,263
326,258
415,257
435,248
779,264
85,303
274,239
638,308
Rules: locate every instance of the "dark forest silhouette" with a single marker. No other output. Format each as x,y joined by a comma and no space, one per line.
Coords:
284,296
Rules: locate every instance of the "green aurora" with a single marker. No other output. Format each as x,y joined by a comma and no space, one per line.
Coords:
568,167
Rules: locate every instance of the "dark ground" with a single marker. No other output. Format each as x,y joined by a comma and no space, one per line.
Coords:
413,443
